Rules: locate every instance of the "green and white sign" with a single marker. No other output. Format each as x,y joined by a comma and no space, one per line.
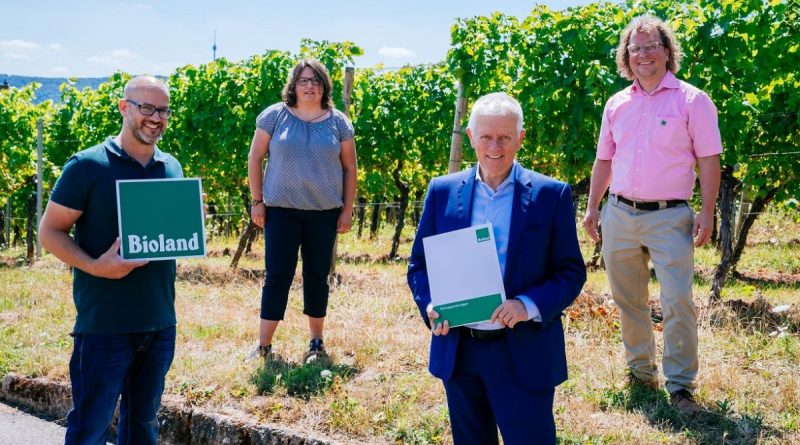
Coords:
161,219
464,274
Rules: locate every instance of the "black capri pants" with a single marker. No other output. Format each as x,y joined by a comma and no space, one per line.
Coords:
314,232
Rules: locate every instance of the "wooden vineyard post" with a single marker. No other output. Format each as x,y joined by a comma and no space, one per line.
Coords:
39,150
455,146
347,91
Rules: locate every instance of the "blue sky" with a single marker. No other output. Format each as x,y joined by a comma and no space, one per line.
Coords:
91,38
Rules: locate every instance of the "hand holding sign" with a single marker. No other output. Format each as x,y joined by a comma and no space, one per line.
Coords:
111,265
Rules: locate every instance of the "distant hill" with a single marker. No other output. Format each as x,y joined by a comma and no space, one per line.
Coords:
49,88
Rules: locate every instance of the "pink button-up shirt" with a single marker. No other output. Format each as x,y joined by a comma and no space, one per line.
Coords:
654,140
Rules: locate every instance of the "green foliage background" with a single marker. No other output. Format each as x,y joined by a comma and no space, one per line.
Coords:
559,64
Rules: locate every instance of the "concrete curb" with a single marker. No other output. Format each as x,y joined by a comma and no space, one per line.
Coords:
180,425
38,395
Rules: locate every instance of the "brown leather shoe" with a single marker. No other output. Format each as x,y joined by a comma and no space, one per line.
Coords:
636,382
684,401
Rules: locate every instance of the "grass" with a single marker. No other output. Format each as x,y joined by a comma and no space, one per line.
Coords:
377,388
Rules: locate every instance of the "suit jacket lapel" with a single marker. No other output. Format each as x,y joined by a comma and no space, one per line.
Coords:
519,212
464,194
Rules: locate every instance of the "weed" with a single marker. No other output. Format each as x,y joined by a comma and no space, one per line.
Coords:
566,438
343,411
194,394
429,428
790,421
612,399
303,381
724,407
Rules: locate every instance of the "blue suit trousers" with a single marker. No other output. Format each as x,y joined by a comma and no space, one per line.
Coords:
485,393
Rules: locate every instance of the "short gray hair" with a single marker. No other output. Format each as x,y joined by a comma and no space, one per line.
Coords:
496,104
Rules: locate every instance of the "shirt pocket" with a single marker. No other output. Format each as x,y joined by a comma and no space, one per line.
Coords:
671,132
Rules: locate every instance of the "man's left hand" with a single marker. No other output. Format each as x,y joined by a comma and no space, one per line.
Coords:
510,313
437,328
345,221
703,224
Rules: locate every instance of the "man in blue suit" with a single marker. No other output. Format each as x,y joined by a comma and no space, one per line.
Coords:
503,373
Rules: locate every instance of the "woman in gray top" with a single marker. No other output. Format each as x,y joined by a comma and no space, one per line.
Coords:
303,197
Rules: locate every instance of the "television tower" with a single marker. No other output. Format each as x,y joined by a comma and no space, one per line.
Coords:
214,47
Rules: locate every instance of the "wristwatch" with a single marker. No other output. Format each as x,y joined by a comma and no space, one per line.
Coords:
256,201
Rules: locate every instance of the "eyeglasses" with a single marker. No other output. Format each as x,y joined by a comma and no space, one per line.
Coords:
149,110
303,81
649,48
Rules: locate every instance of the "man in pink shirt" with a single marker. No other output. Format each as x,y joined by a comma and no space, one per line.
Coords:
652,136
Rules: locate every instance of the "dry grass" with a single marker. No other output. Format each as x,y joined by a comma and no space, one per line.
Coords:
748,381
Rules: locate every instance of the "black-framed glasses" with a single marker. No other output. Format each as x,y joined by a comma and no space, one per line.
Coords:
649,48
303,81
149,110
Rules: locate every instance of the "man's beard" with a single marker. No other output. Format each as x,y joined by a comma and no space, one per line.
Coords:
142,134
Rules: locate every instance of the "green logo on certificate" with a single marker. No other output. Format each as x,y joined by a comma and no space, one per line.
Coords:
482,234
160,219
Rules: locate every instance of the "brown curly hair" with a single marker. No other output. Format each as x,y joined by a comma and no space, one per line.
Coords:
647,24
289,94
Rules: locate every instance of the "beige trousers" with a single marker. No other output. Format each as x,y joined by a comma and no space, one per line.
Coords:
630,238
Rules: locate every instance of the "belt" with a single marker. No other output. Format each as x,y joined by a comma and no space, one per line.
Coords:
483,334
650,205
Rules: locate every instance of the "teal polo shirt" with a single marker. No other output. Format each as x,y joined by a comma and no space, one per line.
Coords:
144,300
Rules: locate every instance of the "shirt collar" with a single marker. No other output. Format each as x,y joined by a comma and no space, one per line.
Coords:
114,148
508,179
669,81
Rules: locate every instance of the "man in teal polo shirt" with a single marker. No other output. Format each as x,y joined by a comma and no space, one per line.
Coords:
124,336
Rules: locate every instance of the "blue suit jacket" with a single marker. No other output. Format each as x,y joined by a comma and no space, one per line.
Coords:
544,262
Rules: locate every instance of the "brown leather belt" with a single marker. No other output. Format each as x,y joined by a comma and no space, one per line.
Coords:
650,205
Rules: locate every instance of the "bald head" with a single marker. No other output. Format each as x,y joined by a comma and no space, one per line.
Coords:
145,113
142,83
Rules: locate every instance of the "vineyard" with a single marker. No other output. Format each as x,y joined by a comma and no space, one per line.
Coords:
559,64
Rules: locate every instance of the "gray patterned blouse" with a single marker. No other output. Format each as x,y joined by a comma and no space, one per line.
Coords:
303,168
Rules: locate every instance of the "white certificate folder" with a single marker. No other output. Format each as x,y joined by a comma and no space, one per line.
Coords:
464,274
